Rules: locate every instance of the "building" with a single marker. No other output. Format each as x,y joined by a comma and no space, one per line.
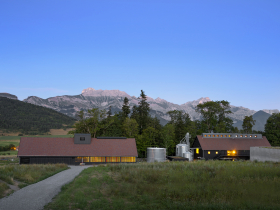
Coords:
73,151
226,145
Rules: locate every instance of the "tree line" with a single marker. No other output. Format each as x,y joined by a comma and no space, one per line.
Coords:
30,119
139,124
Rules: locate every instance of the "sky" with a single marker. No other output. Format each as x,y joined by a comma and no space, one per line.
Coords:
177,50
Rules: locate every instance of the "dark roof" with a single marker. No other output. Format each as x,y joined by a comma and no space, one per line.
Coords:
41,146
231,143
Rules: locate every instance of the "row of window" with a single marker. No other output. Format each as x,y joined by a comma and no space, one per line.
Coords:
229,152
106,159
236,136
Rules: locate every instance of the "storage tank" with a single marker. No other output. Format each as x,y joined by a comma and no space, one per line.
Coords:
155,154
181,148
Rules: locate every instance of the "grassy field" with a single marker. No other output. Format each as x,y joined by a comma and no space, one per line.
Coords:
174,185
26,174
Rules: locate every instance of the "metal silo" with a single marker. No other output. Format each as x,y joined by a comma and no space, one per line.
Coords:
155,154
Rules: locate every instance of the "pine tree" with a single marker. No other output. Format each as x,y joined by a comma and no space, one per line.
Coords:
125,108
143,111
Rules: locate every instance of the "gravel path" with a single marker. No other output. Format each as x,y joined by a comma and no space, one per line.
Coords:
36,196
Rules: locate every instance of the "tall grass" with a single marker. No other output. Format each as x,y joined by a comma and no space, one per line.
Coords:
215,183
174,185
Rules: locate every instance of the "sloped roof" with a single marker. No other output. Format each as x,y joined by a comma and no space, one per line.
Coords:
231,143
41,146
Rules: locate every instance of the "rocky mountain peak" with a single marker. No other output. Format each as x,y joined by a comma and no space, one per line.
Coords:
111,93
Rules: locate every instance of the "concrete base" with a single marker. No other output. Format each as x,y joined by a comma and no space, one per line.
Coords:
265,154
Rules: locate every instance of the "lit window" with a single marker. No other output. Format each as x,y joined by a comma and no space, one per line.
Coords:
209,135
197,151
221,135
233,152
213,136
205,135
217,135
236,136
209,152
216,152
241,135
250,136
255,136
225,135
229,135
246,136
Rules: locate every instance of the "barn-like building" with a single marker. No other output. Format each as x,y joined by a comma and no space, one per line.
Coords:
73,151
226,145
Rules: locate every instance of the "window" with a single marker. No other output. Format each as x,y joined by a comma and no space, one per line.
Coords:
246,136
225,135
209,152
197,151
221,135
255,136
209,135
217,135
236,136
216,152
229,135
250,136
241,135
205,135
213,136
82,138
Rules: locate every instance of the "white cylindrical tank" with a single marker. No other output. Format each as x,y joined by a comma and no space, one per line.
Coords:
180,149
155,154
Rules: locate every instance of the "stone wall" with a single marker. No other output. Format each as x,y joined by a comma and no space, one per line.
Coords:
265,154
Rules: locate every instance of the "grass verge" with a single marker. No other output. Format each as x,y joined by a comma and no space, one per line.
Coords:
28,174
174,185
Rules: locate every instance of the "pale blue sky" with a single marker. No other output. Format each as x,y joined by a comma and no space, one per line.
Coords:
176,50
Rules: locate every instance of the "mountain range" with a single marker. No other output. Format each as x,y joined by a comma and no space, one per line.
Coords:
103,99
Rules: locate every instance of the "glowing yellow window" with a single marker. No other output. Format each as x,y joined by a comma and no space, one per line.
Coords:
213,135
197,151
241,135
221,135
216,152
217,135
209,152
229,135
205,135
209,135
233,152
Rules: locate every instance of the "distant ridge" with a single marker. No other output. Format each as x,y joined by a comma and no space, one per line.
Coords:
103,99
8,95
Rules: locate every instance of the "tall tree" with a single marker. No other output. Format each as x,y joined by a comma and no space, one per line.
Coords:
143,111
109,113
248,123
214,115
182,123
272,129
125,108
93,124
168,136
130,127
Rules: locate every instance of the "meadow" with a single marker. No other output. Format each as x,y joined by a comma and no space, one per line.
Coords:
174,185
23,175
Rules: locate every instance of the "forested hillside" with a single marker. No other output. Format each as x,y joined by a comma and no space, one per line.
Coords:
30,119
